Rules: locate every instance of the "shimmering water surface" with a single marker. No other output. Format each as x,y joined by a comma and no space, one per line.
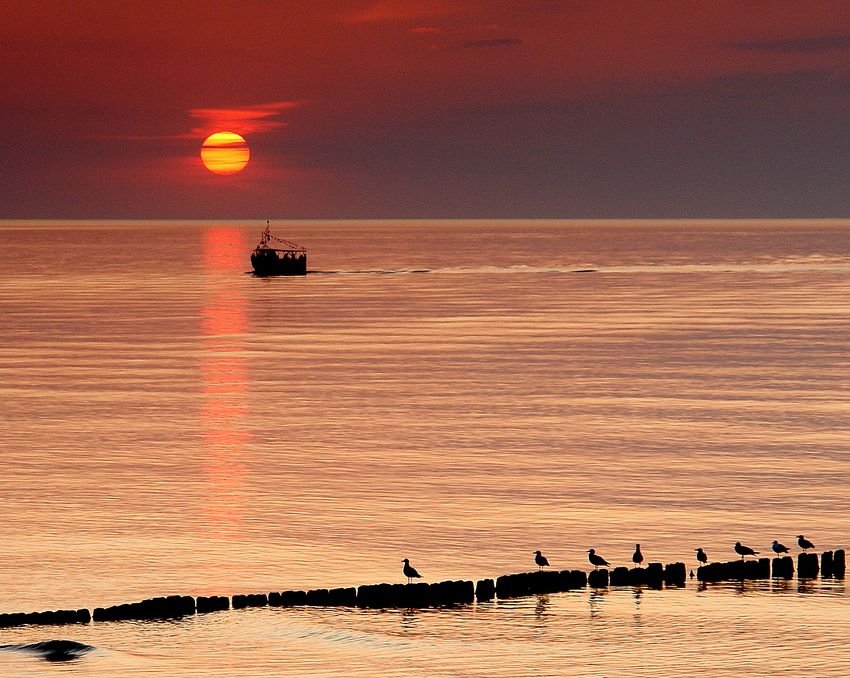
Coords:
458,393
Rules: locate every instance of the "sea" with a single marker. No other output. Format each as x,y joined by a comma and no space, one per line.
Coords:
458,393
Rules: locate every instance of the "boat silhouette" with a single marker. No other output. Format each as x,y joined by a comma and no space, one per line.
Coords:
291,259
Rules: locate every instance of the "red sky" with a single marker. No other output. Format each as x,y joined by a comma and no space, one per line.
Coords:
427,108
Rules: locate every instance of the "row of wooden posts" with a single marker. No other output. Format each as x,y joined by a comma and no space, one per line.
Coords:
448,593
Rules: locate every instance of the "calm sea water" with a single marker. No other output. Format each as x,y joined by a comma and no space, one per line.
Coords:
457,393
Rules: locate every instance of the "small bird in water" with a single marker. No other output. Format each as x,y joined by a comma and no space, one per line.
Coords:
596,560
409,571
744,550
778,548
540,559
701,556
804,543
637,556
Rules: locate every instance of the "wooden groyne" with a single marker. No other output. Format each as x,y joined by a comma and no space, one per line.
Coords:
447,593
831,564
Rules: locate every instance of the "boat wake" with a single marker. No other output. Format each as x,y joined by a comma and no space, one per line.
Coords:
52,650
458,270
398,271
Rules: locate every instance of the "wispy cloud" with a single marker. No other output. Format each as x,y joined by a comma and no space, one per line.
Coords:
254,119
811,45
465,37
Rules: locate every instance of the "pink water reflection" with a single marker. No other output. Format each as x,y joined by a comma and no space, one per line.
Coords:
223,411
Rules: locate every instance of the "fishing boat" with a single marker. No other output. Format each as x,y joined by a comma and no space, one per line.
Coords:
290,259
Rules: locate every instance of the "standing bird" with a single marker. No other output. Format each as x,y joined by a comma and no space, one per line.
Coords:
701,557
744,550
540,559
778,548
637,556
804,543
409,572
595,560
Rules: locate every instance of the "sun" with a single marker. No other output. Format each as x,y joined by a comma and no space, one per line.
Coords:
225,153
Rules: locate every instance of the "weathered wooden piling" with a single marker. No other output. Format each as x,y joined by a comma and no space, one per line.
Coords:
598,579
735,570
340,597
654,575
513,585
317,597
807,566
826,564
163,607
447,593
783,568
675,574
577,578
292,598
619,576
529,583
49,617
394,595
637,576
485,589
838,564
11,619
239,602
546,582
205,604
709,572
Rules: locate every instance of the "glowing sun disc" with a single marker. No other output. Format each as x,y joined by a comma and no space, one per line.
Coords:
225,153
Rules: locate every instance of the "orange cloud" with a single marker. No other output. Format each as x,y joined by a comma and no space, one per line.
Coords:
253,119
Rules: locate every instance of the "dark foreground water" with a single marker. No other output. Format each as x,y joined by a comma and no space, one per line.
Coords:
457,393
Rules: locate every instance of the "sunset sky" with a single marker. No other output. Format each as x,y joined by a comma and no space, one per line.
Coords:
427,108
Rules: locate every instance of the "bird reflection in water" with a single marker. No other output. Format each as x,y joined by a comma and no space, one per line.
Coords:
409,619
807,586
637,595
595,599
541,606
781,586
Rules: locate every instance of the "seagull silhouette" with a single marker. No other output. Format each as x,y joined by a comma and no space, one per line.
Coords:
744,550
804,543
778,548
596,560
540,559
409,571
637,556
701,557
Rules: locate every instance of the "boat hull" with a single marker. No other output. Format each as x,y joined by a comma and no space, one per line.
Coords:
268,263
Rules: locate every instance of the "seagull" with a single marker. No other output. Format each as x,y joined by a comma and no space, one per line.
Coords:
778,548
410,572
701,557
595,560
804,543
540,559
744,550
637,557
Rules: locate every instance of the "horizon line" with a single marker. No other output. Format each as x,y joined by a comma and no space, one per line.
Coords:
40,221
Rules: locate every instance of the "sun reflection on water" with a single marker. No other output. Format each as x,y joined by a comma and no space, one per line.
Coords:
223,374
